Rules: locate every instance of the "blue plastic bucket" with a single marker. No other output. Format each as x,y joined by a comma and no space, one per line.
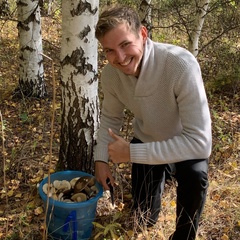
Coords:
69,220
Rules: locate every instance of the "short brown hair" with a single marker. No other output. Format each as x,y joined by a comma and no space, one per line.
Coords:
112,17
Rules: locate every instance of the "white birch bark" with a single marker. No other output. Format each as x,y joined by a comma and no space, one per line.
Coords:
31,72
201,10
145,15
80,110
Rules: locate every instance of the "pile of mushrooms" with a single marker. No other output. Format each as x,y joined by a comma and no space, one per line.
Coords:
77,190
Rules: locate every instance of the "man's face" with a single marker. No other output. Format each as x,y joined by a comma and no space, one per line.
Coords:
124,49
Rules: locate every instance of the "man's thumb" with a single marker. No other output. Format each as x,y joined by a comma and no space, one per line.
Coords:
111,133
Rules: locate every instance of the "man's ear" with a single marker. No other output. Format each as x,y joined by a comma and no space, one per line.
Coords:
144,33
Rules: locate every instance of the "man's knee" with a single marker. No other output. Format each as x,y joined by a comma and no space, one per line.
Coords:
193,173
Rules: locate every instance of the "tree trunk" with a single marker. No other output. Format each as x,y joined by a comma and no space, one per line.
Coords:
31,73
4,8
145,15
80,106
201,11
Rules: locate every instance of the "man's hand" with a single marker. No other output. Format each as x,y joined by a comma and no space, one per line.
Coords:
102,173
118,149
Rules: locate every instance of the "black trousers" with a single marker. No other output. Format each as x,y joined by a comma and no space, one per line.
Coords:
192,182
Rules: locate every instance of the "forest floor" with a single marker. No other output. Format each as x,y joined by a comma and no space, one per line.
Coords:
24,162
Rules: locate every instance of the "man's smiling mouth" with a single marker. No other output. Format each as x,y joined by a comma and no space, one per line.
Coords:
125,63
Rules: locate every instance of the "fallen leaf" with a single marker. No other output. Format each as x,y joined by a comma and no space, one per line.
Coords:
31,205
173,203
19,195
130,233
224,237
10,193
38,210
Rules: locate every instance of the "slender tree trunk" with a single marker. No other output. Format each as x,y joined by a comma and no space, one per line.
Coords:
80,107
145,15
4,8
31,73
201,11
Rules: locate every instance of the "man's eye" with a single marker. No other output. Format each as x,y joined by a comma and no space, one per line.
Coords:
107,51
125,45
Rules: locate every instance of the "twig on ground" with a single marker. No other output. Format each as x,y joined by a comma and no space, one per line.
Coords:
45,229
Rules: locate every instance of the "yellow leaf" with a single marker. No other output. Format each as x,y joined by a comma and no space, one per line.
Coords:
226,229
224,237
19,175
19,195
121,165
10,193
38,211
36,180
46,159
128,196
31,205
130,233
233,164
113,235
173,203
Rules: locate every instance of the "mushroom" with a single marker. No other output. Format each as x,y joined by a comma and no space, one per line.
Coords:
79,197
65,185
60,197
56,184
84,183
51,190
79,189
45,188
73,181
95,189
54,196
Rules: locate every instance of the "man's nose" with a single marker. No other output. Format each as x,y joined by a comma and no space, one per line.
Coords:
120,55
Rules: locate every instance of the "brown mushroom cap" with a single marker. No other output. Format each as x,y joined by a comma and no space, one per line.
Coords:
79,197
83,182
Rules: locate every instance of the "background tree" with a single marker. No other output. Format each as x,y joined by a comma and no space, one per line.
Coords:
177,22
31,72
80,111
145,15
4,8
194,32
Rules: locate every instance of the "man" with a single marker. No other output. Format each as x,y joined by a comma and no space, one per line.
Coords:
162,85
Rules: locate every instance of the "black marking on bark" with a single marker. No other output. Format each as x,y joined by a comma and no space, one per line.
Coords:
20,3
32,87
84,32
81,8
32,18
94,79
78,60
27,48
23,26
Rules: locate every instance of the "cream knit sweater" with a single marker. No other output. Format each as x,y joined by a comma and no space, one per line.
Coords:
169,104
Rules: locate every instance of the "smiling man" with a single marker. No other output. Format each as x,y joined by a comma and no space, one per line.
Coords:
124,48
162,85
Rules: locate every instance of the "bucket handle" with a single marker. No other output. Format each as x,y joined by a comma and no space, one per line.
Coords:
72,217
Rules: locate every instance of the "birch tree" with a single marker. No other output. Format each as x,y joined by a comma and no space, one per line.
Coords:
80,107
31,72
197,24
4,8
145,15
